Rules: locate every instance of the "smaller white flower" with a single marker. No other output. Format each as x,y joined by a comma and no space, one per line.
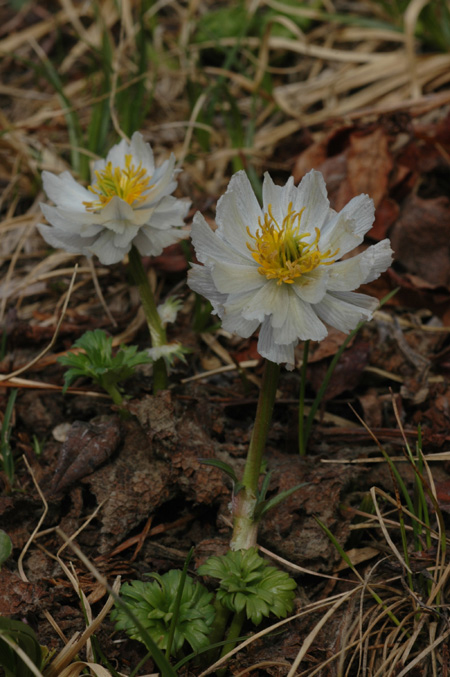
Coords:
168,310
169,352
277,267
128,203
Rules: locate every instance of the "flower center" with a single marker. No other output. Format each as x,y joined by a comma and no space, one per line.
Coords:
129,183
280,250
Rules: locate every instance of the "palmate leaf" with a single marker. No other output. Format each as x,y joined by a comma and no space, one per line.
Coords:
248,582
154,604
98,363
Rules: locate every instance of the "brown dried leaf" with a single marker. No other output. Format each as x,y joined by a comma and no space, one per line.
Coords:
420,239
347,373
87,446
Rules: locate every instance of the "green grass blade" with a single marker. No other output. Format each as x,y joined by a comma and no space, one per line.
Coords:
176,607
6,452
79,161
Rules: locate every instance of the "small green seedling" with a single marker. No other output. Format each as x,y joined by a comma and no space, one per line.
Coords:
154,605
97,363
248,588
248,583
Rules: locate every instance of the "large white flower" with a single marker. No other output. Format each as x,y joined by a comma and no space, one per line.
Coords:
277,267
128,203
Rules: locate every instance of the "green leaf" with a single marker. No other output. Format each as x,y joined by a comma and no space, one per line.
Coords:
5,546
263,506
227,469
23,636
156,603
248,582
98,364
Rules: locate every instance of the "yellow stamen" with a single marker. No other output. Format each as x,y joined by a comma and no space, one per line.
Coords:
130,184
280,250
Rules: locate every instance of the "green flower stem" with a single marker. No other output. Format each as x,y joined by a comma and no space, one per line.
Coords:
232,634
245,527
217,629
114,392
301,407
157,331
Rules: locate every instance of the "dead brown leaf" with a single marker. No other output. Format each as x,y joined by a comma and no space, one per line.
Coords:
420,239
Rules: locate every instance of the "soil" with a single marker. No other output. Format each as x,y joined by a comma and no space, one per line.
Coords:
152,498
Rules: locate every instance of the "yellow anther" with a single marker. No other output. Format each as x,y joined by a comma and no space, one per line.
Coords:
280,250
129,183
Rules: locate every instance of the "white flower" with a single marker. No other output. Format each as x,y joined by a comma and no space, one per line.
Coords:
278,267
128,203
169,352
168,310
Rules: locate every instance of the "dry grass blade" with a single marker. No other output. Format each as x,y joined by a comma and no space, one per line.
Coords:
419,659
307,642
313,607
36,529
68,653
55,335
373,492
410,21
77,668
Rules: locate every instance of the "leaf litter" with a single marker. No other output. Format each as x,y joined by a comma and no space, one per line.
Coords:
368,134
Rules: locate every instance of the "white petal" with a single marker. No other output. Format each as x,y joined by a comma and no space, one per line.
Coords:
60,221
236,210
346,230
200,281
70,242
311,287
271,299
233,320
230,278
378,258
210,247
344,310
106,250
122,240
64,190
169,211
162,181
301,324
117,213
312,196
151,241
277,198
142,153
268,348
116,156
365,267
362,210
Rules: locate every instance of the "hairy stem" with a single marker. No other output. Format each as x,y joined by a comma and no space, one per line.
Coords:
245,527
157,331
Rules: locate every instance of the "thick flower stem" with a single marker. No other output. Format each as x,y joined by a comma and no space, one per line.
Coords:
217,629
114,393
232,634
157,331
245,527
